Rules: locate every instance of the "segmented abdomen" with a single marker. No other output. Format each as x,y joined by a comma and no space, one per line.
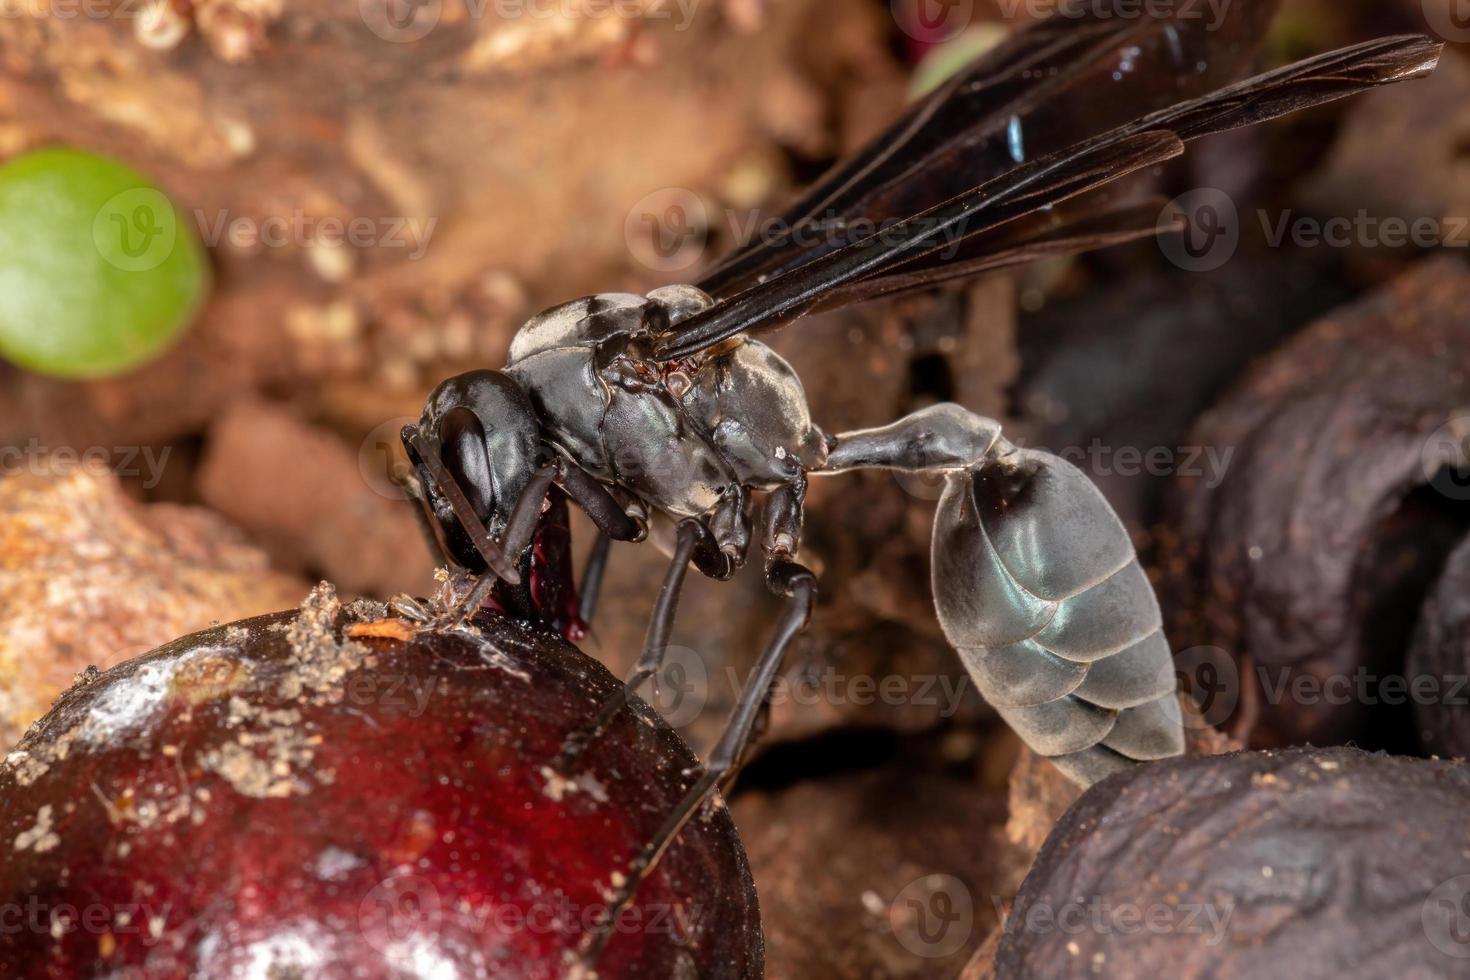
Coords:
1039,589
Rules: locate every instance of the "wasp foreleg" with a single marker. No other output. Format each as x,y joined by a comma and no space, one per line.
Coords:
610,516
518,532
613,521
423,514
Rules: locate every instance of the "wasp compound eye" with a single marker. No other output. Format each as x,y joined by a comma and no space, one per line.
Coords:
462,448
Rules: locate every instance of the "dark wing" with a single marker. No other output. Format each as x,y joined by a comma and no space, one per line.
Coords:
929,235
968,232
1067,231
1065,79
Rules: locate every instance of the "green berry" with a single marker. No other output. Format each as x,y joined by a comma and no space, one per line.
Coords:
99,272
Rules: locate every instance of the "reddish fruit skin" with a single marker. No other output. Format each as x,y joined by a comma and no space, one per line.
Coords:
265,800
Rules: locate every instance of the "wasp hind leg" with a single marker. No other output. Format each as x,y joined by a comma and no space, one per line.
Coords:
798,585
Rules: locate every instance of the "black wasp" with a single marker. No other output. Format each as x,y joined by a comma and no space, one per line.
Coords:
664,411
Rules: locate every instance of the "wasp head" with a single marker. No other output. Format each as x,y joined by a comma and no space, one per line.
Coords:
488,441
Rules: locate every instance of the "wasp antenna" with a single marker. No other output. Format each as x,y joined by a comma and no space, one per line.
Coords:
426,455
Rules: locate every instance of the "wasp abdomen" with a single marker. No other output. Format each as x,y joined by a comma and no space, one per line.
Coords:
1039,589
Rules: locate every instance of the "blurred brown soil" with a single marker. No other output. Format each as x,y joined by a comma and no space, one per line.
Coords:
89,578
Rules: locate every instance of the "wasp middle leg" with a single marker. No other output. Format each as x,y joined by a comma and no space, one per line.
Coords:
716,548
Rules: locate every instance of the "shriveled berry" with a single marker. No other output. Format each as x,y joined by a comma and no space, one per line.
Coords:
1297,863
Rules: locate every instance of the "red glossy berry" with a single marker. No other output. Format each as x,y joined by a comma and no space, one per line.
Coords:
327,794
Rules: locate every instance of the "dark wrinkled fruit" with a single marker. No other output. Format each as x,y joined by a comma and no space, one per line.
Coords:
1111,397
328,794
1295,863
1439,660
1309,561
